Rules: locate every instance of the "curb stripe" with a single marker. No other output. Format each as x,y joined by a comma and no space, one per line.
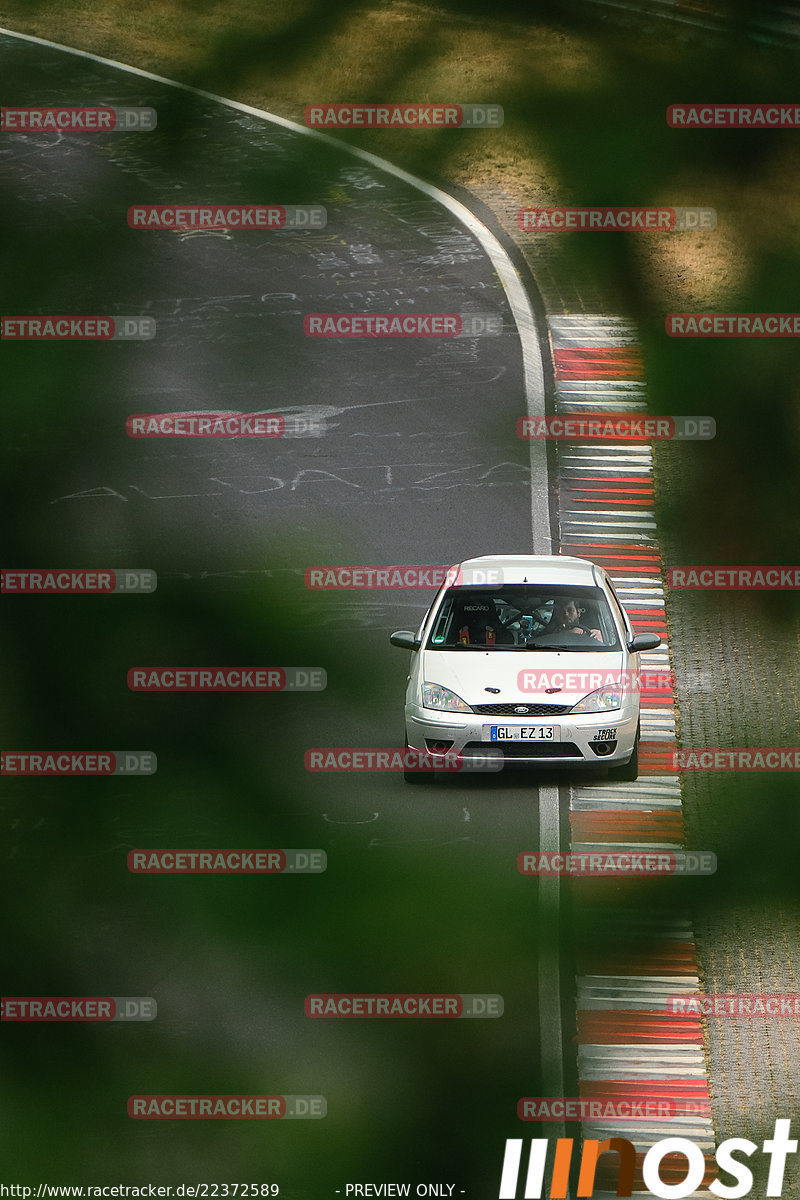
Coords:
632,959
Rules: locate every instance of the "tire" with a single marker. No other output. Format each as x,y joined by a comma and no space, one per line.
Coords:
417,777
629,771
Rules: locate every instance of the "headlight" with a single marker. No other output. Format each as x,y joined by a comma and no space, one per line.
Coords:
602,700
442,699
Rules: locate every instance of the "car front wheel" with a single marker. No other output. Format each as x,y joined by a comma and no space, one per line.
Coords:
629,771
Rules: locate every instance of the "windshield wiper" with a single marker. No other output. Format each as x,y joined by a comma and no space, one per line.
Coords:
590,645
474,646
470,646
553,646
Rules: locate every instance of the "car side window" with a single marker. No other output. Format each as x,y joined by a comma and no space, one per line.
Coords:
439,631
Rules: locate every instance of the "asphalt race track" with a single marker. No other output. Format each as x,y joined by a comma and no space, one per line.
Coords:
413,459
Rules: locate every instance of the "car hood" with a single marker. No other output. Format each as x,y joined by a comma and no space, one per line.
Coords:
521,676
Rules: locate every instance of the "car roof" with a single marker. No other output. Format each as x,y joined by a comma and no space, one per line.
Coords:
531,568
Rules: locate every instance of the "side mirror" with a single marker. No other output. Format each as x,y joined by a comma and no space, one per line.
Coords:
644,641
405,639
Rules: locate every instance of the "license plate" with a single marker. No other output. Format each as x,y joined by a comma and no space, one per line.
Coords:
524,733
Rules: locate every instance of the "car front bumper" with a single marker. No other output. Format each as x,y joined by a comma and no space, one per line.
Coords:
579,740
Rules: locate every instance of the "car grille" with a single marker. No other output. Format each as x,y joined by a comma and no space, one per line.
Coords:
510,710
528,750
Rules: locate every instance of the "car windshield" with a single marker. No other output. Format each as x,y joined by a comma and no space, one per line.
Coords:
523,616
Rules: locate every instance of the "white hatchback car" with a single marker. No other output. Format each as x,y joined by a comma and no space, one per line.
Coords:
531,657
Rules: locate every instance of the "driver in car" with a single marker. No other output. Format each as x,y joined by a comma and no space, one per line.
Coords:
566,615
